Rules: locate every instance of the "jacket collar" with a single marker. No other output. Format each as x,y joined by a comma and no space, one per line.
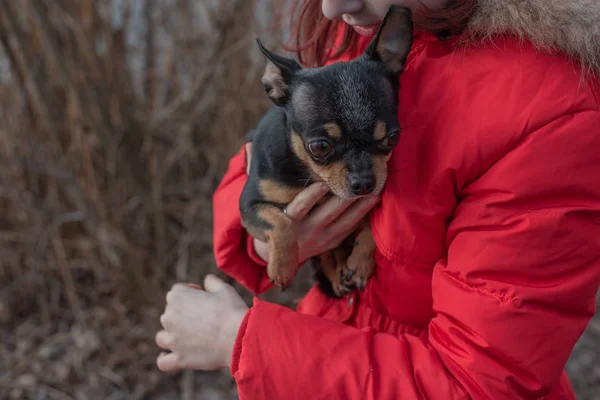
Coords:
570,26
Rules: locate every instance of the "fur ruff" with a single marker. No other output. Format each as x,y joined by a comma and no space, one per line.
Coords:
570,26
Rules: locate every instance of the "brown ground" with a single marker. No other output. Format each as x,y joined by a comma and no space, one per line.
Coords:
113,138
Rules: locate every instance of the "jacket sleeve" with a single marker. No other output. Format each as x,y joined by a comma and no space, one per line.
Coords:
511,299
232,245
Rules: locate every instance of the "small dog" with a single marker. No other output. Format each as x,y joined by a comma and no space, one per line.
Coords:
335,124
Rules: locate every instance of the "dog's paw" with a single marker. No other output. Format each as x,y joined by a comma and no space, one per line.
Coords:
358,271
341,289
282,280
343,284
280,275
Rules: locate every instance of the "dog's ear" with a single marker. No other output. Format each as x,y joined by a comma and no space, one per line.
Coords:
278,74
393,40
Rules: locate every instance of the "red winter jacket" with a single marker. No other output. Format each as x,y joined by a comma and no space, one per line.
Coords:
488,237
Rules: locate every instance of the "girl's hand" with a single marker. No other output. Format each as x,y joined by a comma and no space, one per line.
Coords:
200,326
325,227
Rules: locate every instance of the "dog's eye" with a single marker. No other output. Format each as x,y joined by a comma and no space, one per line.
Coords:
390,140
319,148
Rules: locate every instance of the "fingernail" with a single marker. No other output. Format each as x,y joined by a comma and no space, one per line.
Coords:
194,286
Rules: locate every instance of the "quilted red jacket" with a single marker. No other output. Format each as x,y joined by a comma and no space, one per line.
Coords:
488,233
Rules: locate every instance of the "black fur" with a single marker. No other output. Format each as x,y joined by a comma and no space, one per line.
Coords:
271,158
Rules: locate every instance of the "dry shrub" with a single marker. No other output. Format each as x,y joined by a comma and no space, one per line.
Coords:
118,120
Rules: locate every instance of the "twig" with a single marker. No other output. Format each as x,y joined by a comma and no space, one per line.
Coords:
183,250
158,216
42,245
67,277
150,77
15,49
113,377
187,385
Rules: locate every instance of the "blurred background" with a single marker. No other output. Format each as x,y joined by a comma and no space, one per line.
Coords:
118,118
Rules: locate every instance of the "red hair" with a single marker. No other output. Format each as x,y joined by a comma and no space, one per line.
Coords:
314,34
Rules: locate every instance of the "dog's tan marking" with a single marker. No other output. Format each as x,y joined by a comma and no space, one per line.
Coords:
277,192
334,174
350,268
333,130
362,259
331,264
283,245
273,80
380,130
340,285
380,171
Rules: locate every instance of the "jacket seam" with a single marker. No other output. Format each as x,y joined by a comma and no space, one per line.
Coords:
530,132
523,138
408,328
394,256
408,262
502,299
593,83
452,377
542,126
416,266
418,48
370,371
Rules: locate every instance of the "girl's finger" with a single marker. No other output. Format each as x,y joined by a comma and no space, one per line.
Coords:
327,212
164,339
213,283
306,200
353,215
168,362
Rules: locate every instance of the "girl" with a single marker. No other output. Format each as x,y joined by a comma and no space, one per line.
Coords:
488,231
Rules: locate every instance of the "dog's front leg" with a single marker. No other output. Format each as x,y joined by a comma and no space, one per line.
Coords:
361,263
283,245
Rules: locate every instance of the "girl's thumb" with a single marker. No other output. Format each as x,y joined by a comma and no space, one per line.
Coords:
213,283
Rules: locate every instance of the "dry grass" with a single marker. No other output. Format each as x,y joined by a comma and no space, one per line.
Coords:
113,138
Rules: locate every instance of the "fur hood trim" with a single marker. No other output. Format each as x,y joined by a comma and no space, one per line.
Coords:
571,26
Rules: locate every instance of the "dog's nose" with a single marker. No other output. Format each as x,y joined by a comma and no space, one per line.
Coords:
362,184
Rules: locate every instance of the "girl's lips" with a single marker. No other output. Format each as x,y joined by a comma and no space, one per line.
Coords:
366,30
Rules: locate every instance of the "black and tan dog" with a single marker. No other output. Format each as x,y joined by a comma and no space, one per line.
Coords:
336,124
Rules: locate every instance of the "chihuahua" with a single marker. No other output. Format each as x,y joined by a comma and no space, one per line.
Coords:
335,124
